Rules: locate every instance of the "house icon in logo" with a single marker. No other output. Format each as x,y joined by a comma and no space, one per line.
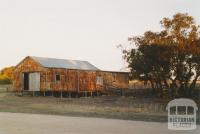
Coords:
182,114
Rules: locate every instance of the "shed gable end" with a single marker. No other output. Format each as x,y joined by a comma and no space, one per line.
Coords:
29,65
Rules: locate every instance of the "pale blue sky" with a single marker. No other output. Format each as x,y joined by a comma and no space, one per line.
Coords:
80,29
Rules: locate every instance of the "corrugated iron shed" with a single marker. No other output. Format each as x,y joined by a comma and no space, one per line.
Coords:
59,75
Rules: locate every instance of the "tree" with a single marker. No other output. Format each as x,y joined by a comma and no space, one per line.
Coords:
169,59
6,75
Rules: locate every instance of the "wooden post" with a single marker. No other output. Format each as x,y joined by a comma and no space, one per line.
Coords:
61,94
78,82
91,93
97,93
69,94
122,92
33,93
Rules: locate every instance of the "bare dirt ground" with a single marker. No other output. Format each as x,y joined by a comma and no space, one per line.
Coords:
13,123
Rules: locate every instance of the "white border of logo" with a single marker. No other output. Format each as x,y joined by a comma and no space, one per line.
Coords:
186,121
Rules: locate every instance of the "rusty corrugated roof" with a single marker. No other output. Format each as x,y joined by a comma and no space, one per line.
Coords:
64,63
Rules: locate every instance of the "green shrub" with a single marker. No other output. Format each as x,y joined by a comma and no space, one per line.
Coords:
4,79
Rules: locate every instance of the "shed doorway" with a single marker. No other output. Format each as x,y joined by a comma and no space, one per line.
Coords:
26,81
31,81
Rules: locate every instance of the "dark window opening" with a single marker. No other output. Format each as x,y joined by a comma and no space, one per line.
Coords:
58,77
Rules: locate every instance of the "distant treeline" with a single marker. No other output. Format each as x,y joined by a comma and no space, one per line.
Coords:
6,75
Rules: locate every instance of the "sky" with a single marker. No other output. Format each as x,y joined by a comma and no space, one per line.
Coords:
80,29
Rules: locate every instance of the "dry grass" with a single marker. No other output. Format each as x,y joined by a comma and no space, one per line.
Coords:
127,108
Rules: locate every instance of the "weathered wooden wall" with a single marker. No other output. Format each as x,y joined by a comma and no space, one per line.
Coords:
119,80
71,80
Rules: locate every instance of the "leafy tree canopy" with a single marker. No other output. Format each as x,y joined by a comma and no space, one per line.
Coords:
169,59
